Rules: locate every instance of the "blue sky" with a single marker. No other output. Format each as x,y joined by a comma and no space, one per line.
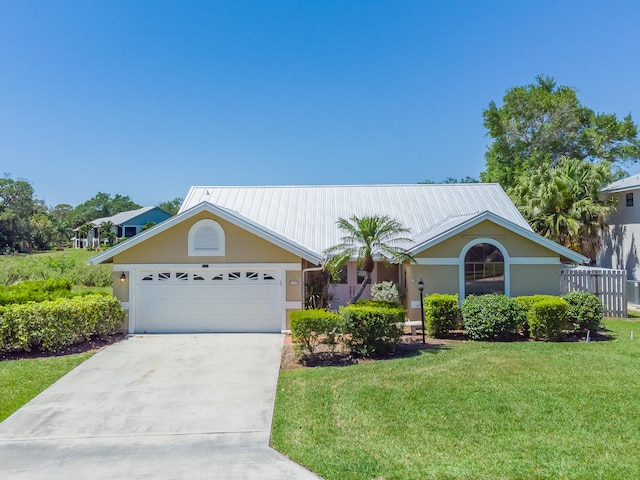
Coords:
146,98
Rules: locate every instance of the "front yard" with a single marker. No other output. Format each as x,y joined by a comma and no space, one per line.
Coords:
470,410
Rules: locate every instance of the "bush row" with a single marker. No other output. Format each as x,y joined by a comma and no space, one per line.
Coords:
544,317
367,328
56,324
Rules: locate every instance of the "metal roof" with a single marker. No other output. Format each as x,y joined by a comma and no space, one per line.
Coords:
307,215
629,183
122,217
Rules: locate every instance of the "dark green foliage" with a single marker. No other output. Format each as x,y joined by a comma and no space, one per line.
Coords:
310,328
102,205
491,317
547,318
372,331
441,313
56,324
540,123
585,313
39,291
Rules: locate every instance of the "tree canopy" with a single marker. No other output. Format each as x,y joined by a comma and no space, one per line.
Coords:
102,205
553,155
171,206
542,123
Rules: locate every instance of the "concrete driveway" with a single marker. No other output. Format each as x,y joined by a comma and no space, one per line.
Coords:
156,406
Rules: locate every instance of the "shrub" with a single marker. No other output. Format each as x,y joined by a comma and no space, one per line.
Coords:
387,291
36,291
310,328
371,330
547,318
491,317
56,324
527,302
585,313
441,314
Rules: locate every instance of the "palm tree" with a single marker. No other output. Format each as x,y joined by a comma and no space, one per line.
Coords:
368,239
106,227
83,231
562,203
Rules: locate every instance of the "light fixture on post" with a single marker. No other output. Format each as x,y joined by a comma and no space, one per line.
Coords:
421,290
123,277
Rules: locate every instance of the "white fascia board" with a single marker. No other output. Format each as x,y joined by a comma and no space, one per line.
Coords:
528,234
226,214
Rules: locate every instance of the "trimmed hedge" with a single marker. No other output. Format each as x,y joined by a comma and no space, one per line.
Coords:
585,313
371,329
310,328
37,291
527,302
441,314
56,324
547,318
491,317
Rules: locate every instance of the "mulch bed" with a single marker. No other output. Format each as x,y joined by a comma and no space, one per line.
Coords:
93,344
410,345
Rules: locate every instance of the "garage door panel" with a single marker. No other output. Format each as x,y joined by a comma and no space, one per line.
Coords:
234,300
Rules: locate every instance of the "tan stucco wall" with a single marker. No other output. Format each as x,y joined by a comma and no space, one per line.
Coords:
534,279
171,246
121,289
516,245
386,273
294,292
436,278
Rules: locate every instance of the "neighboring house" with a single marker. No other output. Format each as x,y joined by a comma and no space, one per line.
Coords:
620,242
123,225
235,259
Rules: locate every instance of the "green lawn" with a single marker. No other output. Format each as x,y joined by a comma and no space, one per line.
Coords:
21,380
471,410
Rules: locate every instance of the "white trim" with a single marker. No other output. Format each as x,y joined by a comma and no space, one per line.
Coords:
120,267
437,261
291,305
206,252
535,261
233,217
503,222
505,256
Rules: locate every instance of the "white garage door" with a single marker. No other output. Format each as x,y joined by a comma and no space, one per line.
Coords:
208,300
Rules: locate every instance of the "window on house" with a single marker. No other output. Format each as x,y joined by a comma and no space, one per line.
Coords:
629,199
483,270
129,232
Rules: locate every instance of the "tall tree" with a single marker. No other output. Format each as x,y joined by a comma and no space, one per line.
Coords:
368,239
539,124
171,206
562,203
17,205
102,205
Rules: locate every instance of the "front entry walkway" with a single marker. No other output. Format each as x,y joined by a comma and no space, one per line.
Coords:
156,406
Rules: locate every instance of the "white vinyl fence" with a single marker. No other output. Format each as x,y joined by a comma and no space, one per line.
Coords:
609,285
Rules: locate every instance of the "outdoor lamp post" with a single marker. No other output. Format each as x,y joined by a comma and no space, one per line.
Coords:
421,290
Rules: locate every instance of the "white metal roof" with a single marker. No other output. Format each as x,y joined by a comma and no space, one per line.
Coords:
629,183
231,216
307,215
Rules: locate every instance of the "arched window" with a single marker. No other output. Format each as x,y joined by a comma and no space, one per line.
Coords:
484,270
206,238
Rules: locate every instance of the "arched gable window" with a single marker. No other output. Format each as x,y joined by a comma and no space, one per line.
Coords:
484,270
206,238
